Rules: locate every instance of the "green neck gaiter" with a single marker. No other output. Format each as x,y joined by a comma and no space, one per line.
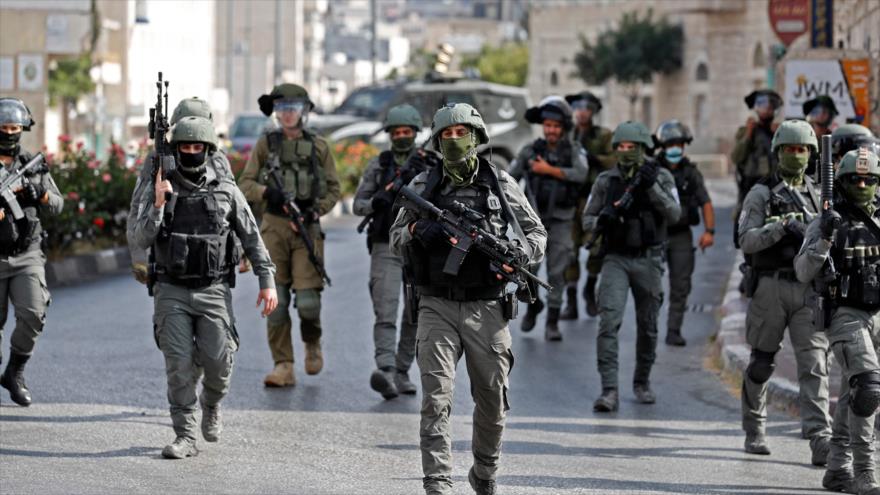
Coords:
629,160
459,159
863,197
401,148
792,166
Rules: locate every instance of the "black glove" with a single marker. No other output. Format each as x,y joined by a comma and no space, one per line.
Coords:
648,173
830,220
32,193
606,217
429,232
518,256
382,201
275,198
795,227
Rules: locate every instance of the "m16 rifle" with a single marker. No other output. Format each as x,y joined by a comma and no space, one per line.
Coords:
618,208
163,157
14,181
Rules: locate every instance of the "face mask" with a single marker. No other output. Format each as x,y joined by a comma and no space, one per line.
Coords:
193,164
793,164
402,145
674,154
630,159
9,143
459,158
861,196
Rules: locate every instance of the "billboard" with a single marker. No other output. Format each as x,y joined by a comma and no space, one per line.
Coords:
845,81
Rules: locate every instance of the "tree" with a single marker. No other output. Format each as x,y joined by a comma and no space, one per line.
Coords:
632,53
506,64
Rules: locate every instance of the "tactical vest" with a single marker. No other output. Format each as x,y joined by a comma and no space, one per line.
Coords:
425,264
687,195
17,236
856,255
780,256
761,162
550,192
382,220
194,247
300,171
642,225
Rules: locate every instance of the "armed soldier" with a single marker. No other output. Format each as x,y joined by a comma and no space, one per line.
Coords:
850,137
771,230
188,220
466,313
302,161
820,113
374,199
555,170
630,207
600,157
672,136
842,250
22,262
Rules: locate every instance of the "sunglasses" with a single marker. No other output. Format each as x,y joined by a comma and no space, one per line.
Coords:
289,106
855,180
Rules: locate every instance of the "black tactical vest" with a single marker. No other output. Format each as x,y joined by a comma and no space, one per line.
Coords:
382,220
17,236
856,255
550,192
687,196
780,256
642,225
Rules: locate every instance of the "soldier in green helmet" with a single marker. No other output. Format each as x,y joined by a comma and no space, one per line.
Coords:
847,237
374,199
771,229
308,171
630,207
189,220
466,314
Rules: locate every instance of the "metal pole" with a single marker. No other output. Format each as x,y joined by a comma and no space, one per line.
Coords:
230,54
248,25
278,42
373,41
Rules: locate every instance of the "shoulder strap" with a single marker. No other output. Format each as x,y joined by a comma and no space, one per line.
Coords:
435,177
506,208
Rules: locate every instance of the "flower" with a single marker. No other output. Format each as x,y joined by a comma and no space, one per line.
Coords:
64,138
79,145
94,164
73,196
106,177
98,222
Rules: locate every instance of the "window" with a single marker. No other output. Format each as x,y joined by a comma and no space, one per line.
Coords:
702,72
758,59
701,115
648,111
554,78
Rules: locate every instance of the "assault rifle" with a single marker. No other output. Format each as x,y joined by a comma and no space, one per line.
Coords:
163,158
13,182
296,217
823,283
461,224
617,208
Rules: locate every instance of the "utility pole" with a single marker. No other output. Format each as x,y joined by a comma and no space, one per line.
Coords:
278,42
373,40
248,27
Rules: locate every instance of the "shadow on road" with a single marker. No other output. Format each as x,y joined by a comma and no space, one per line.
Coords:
624,486
129,452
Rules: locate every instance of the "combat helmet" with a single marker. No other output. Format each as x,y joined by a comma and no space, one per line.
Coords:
633,131
552,108
191,107
672,131
285,91
14,111
458,113
402,115
591,100
194,130
850,137
773,97
795,132
861,161
820,101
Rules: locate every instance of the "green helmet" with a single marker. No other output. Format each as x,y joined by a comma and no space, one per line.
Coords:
191,107
632,131
860,161
795,132
285,91
459,113
194,130
402,115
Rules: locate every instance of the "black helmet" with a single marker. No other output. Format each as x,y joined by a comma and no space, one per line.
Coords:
587,97
553,108
773,96
671,132
850,137
14,111
823,101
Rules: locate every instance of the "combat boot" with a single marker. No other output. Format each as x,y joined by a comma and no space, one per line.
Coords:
404,386
756,443
644,394
570,312
281,376
211,423
839,480
865,484
382,381
607,402
481,487
532,312
820,446
314,358
551,331
13,380
673,337
180,448
590,296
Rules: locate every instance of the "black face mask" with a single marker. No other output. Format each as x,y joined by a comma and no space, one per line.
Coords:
192,165
9,143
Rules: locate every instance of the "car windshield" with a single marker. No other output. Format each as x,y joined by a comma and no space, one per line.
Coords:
366,102
250,126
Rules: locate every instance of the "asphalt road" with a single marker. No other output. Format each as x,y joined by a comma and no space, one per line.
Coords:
100,415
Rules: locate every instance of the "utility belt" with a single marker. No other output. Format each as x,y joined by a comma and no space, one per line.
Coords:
190,283
678,229
649,251
788,275
462,294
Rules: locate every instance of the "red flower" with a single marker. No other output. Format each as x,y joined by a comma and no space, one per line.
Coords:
73,195
106,178
64,138
94,164
98,222
79,145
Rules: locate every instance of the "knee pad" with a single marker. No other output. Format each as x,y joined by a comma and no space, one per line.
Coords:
280,316
308,304
761,366
865,393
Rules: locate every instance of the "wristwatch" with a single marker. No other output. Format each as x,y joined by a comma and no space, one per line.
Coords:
711,231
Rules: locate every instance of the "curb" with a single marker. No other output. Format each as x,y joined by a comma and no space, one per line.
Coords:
84,267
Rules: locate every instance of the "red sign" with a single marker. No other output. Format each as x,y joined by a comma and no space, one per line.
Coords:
789,18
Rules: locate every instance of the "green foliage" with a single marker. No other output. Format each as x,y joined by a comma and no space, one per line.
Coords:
70,79
506,64
352,158
632,53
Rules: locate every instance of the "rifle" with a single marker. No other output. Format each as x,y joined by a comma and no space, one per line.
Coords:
618,207
296,217
825,291
163,158
14,181
461,225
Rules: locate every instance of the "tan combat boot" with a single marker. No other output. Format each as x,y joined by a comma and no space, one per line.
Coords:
314,358
281,376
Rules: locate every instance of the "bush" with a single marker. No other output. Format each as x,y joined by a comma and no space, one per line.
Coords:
352,158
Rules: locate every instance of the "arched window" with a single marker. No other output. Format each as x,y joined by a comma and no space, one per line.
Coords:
554,78
758,58
702,72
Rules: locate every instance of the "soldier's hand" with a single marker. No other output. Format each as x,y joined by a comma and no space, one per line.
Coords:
648,172
829,222
244,265
139,270
794,227
161,187
2,214
274,197
382,201
751,122
541,166
32,193
429,232
507,268
270,299
706,240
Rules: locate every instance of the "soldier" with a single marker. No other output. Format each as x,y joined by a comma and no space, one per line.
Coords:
672,136
630,207
188,107
309,174
191,238
22,262
374,199
849,235
850,137
555,170
771,229
464,314
820,113
600,157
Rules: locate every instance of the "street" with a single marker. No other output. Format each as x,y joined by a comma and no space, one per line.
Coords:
100,416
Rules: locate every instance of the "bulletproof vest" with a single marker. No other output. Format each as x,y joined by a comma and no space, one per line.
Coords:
301,173
780,256
642,226
685,182
18,236
856,255
550,192
194,246
425,264
390,172
761,162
